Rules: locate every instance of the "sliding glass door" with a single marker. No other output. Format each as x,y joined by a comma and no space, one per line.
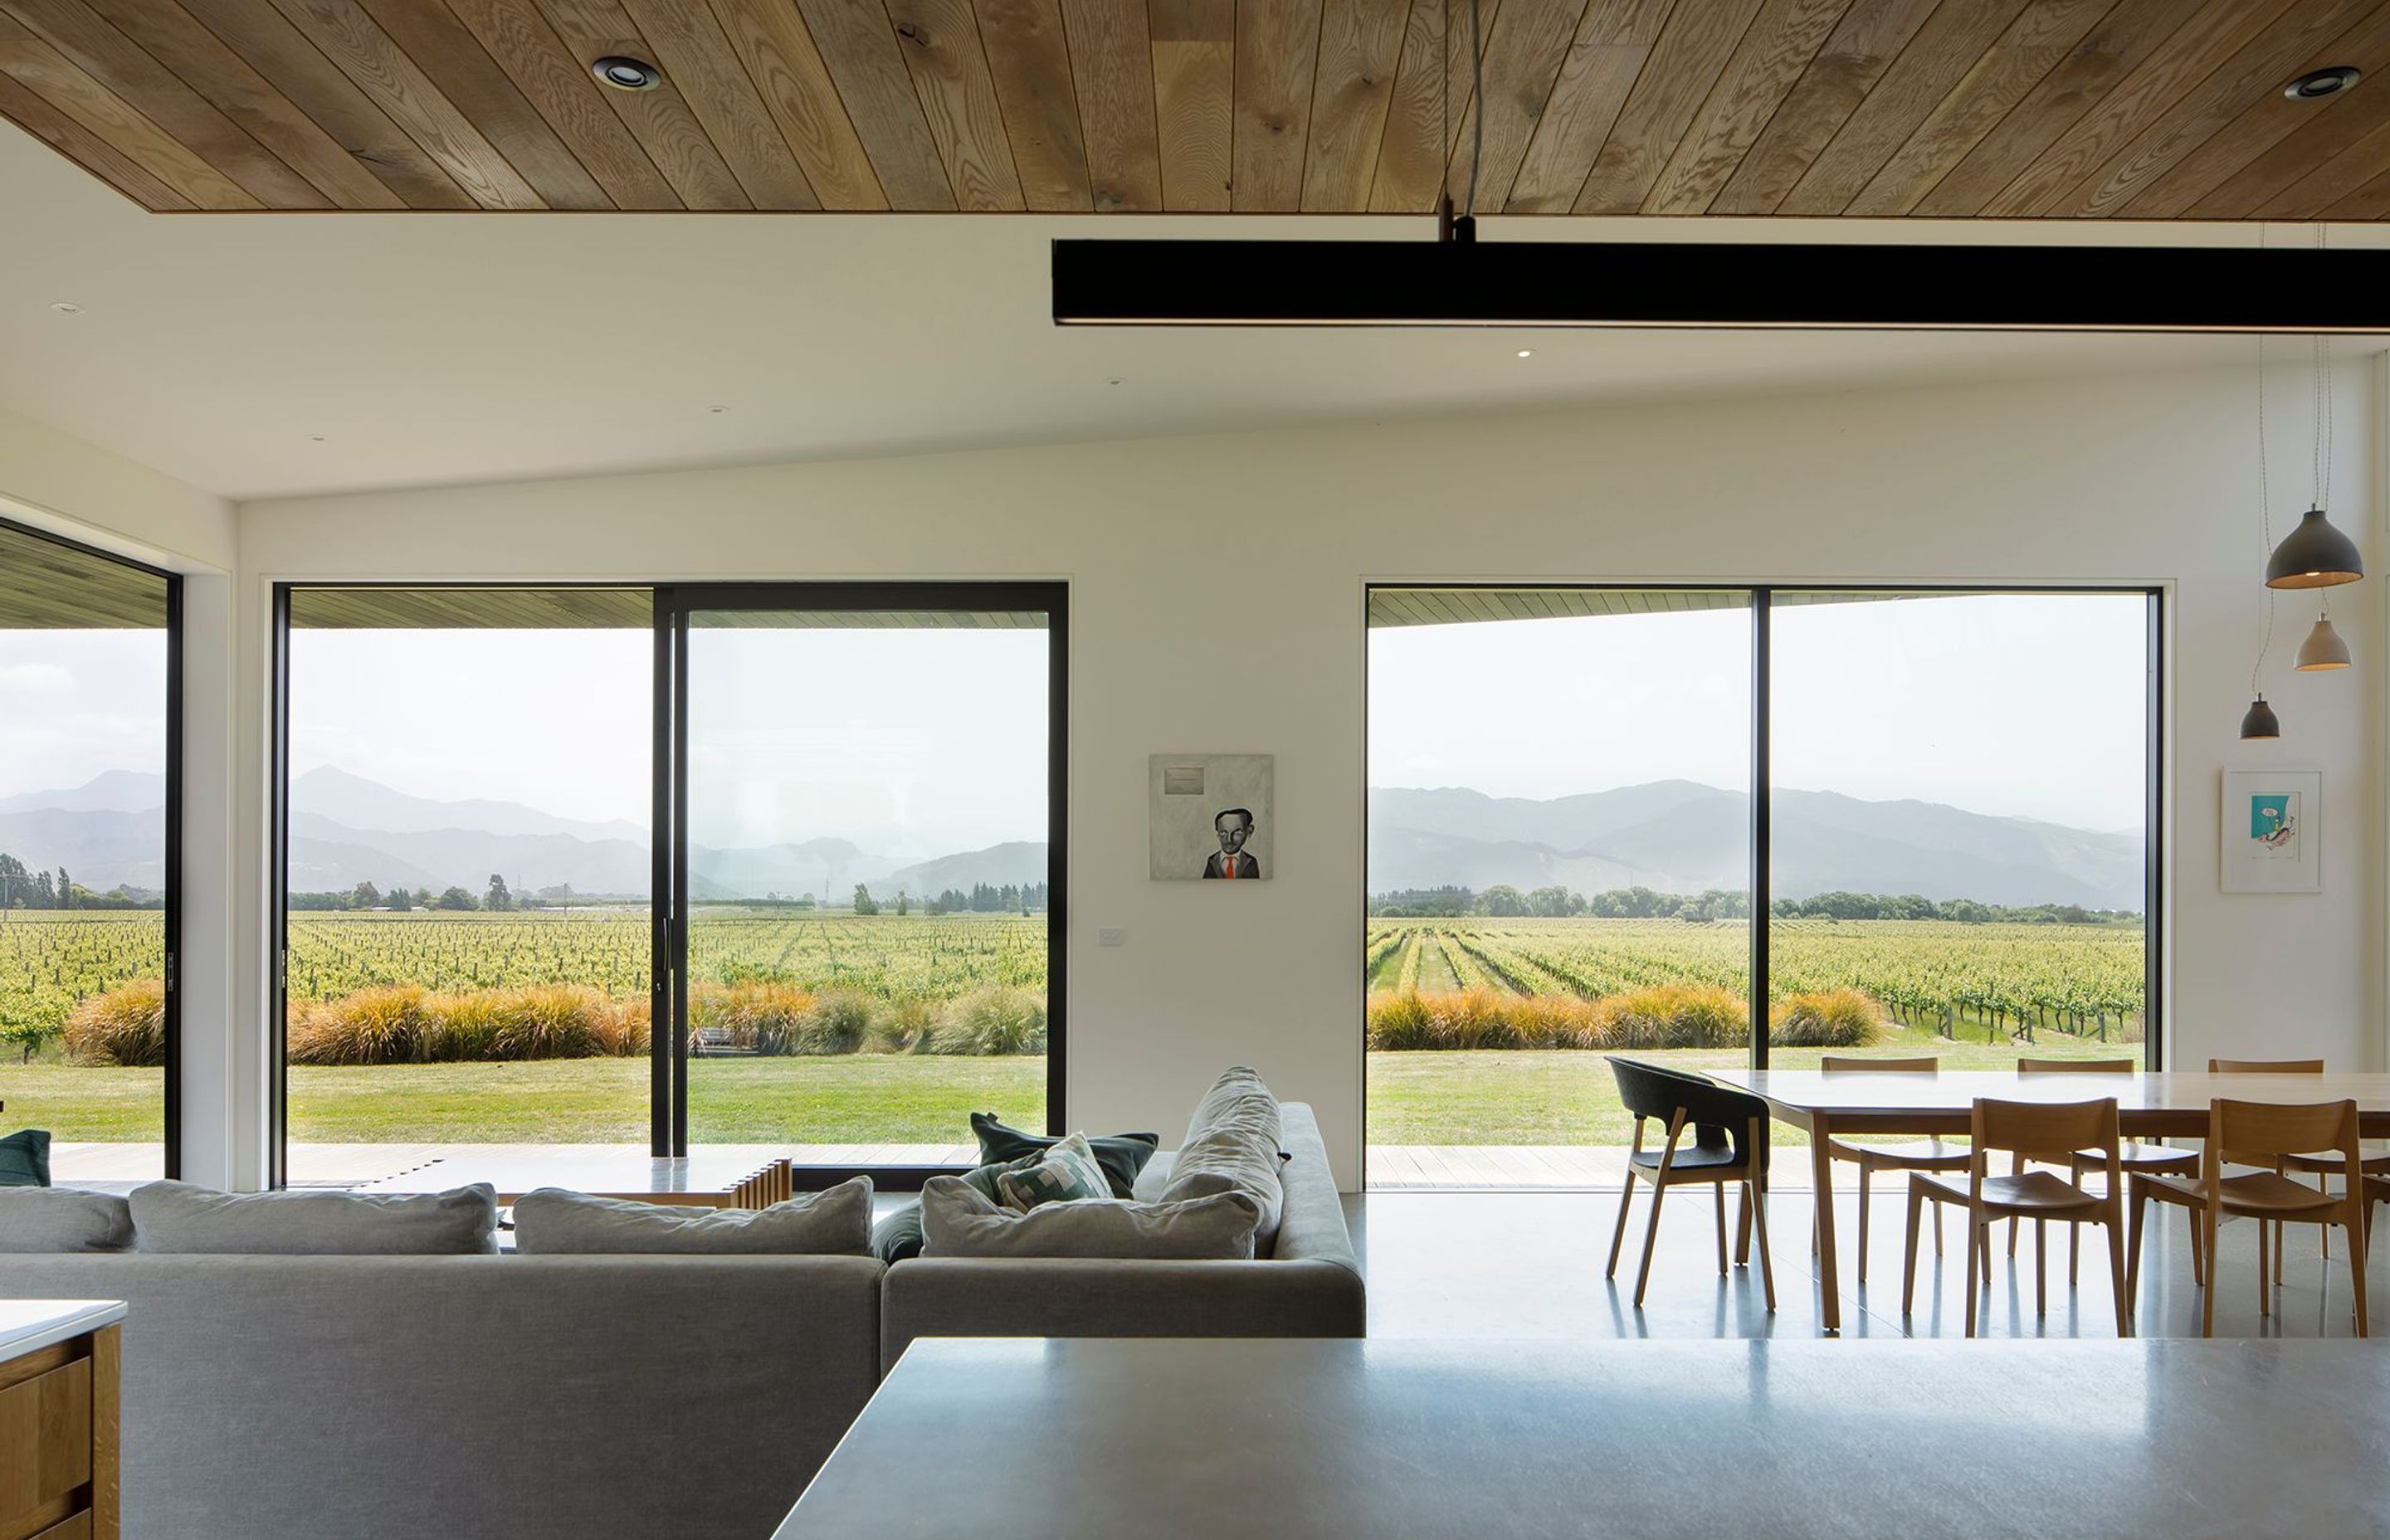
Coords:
1940,804
89,838
869,802
465,875
1960,825
604,872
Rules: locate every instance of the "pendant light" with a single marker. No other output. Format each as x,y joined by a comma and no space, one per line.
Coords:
2259,721
2324,649
2316,555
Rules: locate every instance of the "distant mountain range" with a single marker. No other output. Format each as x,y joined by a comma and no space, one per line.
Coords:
1673,836
1682,837
346,829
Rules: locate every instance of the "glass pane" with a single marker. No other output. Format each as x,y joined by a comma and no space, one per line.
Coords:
1558,836
867,797
469,876
1958,827
83,858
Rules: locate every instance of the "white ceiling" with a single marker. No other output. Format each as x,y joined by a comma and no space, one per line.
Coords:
266,355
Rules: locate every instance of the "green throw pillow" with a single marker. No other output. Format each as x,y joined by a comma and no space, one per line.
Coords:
25,1159
1063,1174
1120,1156
898,1237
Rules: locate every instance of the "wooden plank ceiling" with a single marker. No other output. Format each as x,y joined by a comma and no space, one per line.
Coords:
2011,109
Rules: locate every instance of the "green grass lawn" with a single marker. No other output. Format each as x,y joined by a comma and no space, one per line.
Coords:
854,1098
1487,1097
1535,1096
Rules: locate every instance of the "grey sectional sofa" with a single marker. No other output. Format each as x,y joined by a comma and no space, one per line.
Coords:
1309,1287
584,1397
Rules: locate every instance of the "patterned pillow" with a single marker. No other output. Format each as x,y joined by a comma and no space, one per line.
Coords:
25,1159
1065,1172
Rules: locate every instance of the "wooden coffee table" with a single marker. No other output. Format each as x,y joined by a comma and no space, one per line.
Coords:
708,1181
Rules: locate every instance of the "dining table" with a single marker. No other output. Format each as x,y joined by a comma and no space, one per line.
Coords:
2149,1105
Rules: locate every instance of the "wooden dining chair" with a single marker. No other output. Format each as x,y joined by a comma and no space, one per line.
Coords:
1933,1154
2305,1164
2258,1133
2132,1155
2047,1133
1728,1147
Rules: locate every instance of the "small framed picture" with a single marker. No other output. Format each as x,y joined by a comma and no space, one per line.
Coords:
2272,832
1209,818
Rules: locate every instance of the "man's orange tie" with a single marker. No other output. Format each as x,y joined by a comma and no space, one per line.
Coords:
1228,864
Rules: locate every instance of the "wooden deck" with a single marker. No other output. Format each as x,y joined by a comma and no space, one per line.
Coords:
1457,1168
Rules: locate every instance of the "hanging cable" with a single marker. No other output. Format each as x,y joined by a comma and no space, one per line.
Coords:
2265,514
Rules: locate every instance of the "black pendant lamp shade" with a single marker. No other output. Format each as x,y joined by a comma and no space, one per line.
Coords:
2314,555
2261,721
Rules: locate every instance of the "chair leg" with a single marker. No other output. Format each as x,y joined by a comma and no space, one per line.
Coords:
2074,1232
2278,1252
1937,1229
2198,1254
1865,1171
1721,1191
1743,1229
2116,1274
2207,1220
2139,1207
2016,1167
2040,1267
1618,1235
1908,1266
2264,1293
1755,1208
1650,1242
1978,1245
2357,1267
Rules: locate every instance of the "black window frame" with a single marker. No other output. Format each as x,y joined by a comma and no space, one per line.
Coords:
172,1008
1760,600
668,1000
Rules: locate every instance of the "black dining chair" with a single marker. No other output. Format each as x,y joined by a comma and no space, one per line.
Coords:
1729,1147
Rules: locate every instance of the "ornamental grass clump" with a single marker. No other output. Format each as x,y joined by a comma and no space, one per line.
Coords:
991,1021
1827,1019
1676,1016
123,1026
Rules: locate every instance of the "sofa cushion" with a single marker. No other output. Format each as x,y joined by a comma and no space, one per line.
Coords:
1238,1096
834,1222
958,1221
1122,1156
180,1216
1062,1174
25,1159
62,1219
1233,1145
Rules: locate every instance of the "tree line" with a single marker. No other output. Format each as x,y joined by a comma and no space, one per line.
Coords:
1504,902
21,889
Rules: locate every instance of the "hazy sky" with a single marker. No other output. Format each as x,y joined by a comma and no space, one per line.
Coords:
917,743
80,703
910,743
2028,705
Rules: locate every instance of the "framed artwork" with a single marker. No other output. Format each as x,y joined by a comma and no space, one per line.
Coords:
1209,818
2272,833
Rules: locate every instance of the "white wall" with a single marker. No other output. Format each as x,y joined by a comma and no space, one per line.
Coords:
2136,479
61,484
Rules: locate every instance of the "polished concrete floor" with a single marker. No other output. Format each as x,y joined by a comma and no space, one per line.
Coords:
1530,1265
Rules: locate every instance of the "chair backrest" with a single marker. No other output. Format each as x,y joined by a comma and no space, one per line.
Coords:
2255,1133
1847,1064
2077,1067
2265,1066
2044,1128
1721,1115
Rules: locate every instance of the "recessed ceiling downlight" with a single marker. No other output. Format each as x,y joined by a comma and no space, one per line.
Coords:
2327,81
625,73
